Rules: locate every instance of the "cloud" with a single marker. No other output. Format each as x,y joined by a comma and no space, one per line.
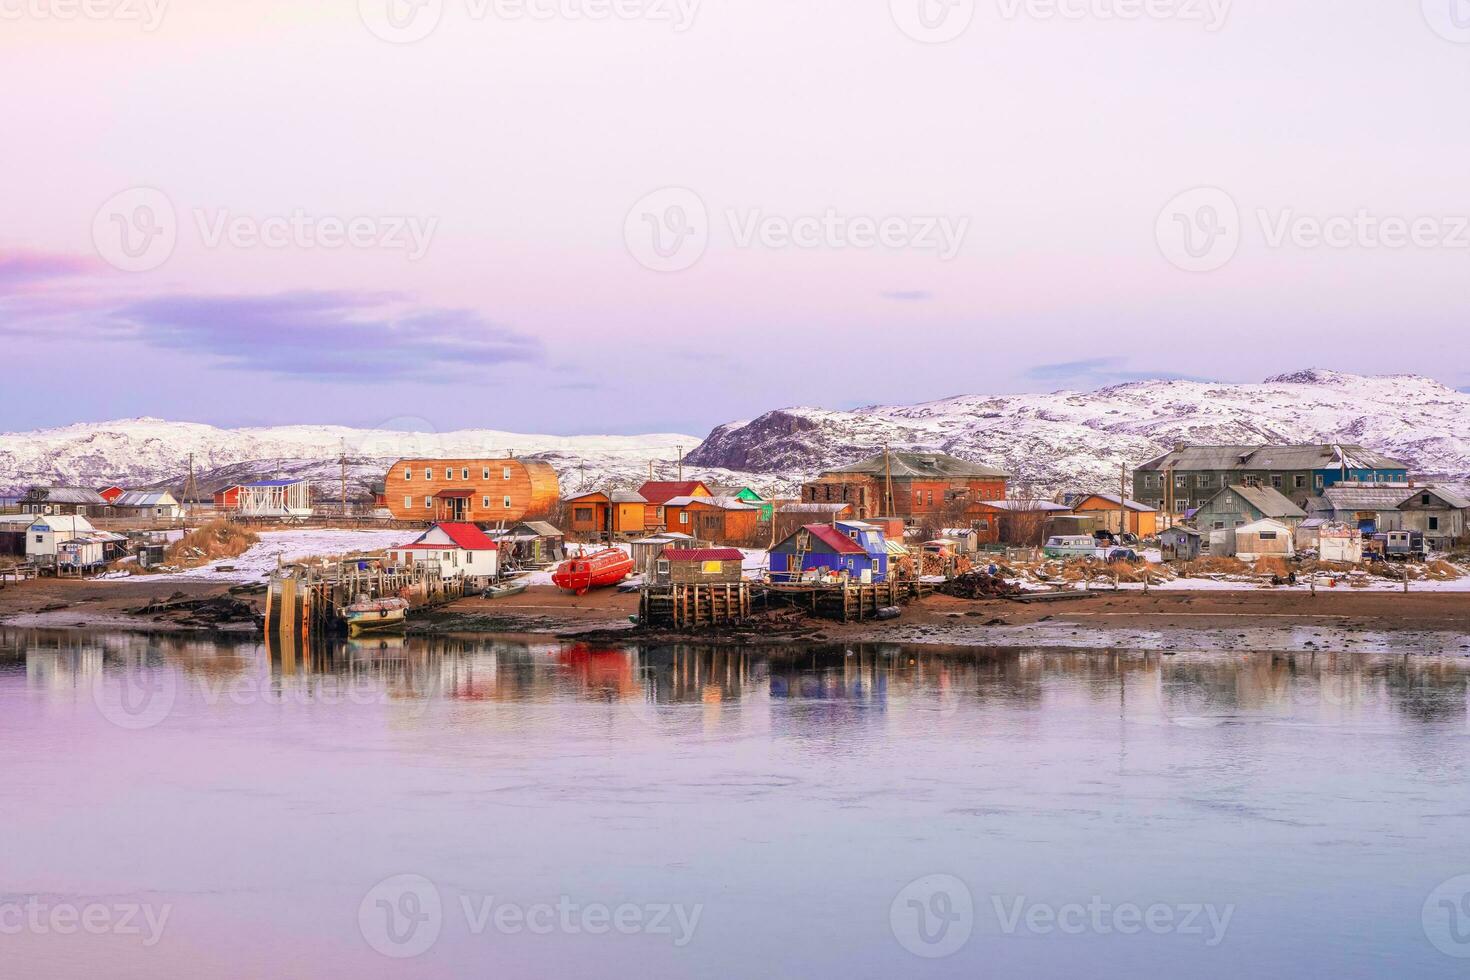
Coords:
21,269
908,295
359,336
1099,372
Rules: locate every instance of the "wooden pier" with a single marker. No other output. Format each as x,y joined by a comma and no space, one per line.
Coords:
305,600
692,606
846,602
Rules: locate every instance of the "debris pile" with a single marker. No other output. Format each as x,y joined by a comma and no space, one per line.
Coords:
202,611
979,585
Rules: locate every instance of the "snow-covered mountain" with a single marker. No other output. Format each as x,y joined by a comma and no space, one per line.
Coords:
1078,440
1051,442
149,452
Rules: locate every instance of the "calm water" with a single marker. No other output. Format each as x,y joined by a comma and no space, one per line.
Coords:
446,808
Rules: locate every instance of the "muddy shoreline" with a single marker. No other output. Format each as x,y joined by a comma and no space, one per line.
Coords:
1214,620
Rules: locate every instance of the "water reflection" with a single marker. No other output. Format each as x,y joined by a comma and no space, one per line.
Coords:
851,684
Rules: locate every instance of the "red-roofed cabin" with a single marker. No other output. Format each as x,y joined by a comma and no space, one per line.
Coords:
697,566
659,492
462,551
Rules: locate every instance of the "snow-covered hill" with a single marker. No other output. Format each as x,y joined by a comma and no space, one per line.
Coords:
147,452
1077,440
1051,442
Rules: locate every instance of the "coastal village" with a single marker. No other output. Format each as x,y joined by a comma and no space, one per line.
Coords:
859,543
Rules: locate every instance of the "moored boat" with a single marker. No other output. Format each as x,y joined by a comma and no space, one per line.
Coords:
507,587
375,615
580,575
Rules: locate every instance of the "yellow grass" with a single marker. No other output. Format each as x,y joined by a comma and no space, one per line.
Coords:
219,539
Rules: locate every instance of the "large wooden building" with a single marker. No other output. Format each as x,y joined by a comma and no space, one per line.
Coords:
921,485
479,491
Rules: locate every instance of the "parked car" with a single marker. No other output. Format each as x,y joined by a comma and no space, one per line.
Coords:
1071,546
1124,554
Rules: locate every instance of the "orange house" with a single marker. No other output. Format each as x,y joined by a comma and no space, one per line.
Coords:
607,514
476,491
721,520
1143,520
659,492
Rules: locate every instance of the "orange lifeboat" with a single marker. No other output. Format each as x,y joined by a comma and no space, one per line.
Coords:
597,571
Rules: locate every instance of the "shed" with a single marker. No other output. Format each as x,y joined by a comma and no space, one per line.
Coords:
155,504
1264,539
1331,540
1179,543
1142,519
645,551
697,566
532,543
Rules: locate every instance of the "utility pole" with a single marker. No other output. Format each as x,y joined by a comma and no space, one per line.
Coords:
191,490
1122,500
681,464
887,483
343,461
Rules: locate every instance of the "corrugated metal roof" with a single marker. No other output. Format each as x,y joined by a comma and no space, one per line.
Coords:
73,495
813,508
144,498
1320,456
908,465
628,497
1362,498
1113,499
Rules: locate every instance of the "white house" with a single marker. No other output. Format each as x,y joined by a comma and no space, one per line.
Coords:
48,531
462,551
157,504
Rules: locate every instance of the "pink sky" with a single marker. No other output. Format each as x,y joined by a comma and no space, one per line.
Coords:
524,143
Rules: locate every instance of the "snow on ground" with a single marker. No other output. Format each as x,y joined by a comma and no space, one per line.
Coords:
288,546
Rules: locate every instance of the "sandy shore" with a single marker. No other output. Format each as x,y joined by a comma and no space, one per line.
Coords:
1430,622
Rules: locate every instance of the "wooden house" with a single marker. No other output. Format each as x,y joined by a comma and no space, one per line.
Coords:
1179,543
1237,506
909,485
820,551
659,492
747,495
483,491
1437,513
722,520
1142,519
462,551
872,540
607,515
227,498
79,501
159,505
697,566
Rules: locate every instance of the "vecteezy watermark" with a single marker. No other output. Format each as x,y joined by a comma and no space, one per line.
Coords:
137,230
1211,14
38,917
407,21
932,21
1199,230
136,696
933,916
1202,229
1446,917
404,916
1099,917
669,230
1450,19
146,13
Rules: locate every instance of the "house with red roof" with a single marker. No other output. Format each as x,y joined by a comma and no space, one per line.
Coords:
698,566
818,550
462,551
657,493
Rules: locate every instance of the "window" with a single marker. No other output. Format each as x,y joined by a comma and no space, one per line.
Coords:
484,472
582,513
407,501
1180,506
429,473
40,539
1219,525
507,503
407,474
683,517
1317,481
1205,479
449,472
1276,480
1434,524
1300,481
428,502
1181,483
1268,535
1424,500
469,557
505,472
485,502
464,473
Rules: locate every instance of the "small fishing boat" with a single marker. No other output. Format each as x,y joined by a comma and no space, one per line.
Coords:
375,615
580,575
506,587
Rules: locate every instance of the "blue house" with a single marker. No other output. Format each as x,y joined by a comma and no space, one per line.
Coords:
822,547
